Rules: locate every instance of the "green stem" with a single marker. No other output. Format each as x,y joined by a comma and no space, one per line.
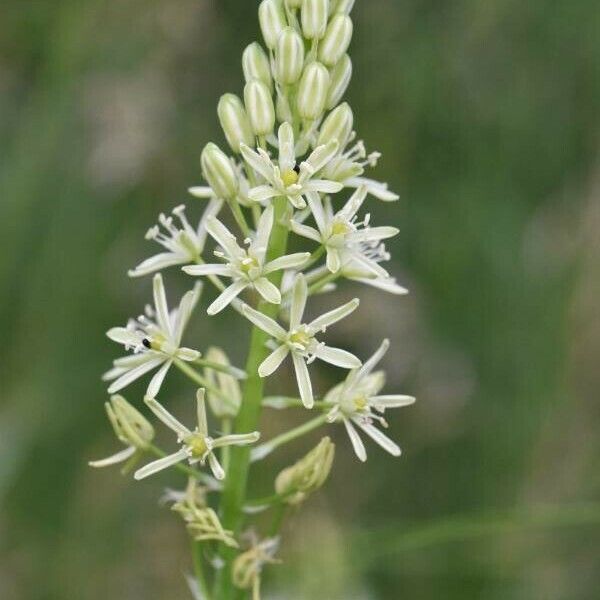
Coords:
314,257
227,369
199,379
234,491
240,219
225,450
321,283
265,449
199,570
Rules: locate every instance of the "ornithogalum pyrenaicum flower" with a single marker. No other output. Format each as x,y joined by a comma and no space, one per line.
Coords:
300,341
196,445
247,267
154,339
357,401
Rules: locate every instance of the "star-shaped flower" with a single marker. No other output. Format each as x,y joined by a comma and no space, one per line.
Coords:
284,177
357,402
300,339
183,243
340,232
155,339
196,445
246,267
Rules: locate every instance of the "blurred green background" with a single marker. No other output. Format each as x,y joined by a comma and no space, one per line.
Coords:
487,117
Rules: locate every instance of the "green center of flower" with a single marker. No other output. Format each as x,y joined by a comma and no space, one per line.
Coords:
154,343
340,227
197,445
360,403
289,177
301,337
248,264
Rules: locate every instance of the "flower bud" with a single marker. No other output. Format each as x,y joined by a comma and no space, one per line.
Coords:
337,126
289,57
129,425
259,105
283,109
225,403
247,567
312,91
272,21
297,482
340,79
234,121
218,171
314,18
343,7
336,41
293,4
255,64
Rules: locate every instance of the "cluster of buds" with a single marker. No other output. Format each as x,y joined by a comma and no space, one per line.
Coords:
297,482
294,168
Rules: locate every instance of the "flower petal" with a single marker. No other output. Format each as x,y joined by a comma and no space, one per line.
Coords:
265,323
287,155
260,193
115,459
212,269
224,237
305,231
391,401
337,357
333,259
357,443
157,380
226,296
272,362
379,437
373,361
135,373
236,439
216,467
353,204
267,290
375,188
323,185
166,417
158,262
298,304
258,162
289,261
263,233
125,336
372,234
182,316
160,464
335,315
321,155
201,191
316,207
160,304
303,379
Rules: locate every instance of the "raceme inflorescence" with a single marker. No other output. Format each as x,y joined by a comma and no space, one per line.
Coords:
293,176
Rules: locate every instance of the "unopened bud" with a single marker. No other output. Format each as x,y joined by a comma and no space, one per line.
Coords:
343,7
225,402
293,4
129,425
297,482
259,105
337,126
218,171
272,21
314,18
340,79
289,57
247,567
312,91
336,41
234,121
255,64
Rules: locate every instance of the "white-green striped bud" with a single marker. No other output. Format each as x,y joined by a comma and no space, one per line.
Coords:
289,57
234,121
224,394
218,171
293,4
255,64
337,126
336,41
343,7
129,425
283,109
259,105
312,91
340,79
272,21
314,18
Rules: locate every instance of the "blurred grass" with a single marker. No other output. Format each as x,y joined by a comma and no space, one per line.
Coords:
487,117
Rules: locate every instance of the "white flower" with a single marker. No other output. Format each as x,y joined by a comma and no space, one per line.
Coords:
196,445
285,178
131,428
247,268
340,232
300,340
184,244
155,339
356,402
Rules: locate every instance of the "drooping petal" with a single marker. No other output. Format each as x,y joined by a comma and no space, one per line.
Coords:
357,443
135,373
335,315
167,418
272,362
305,231
157,379
289,261
316,207
263,233
160,464
337,357
265,323
115,459
379,437
226,296
303,379
333,259
216,467
160,304
211,269
267,290
157,263
224,237
298,304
